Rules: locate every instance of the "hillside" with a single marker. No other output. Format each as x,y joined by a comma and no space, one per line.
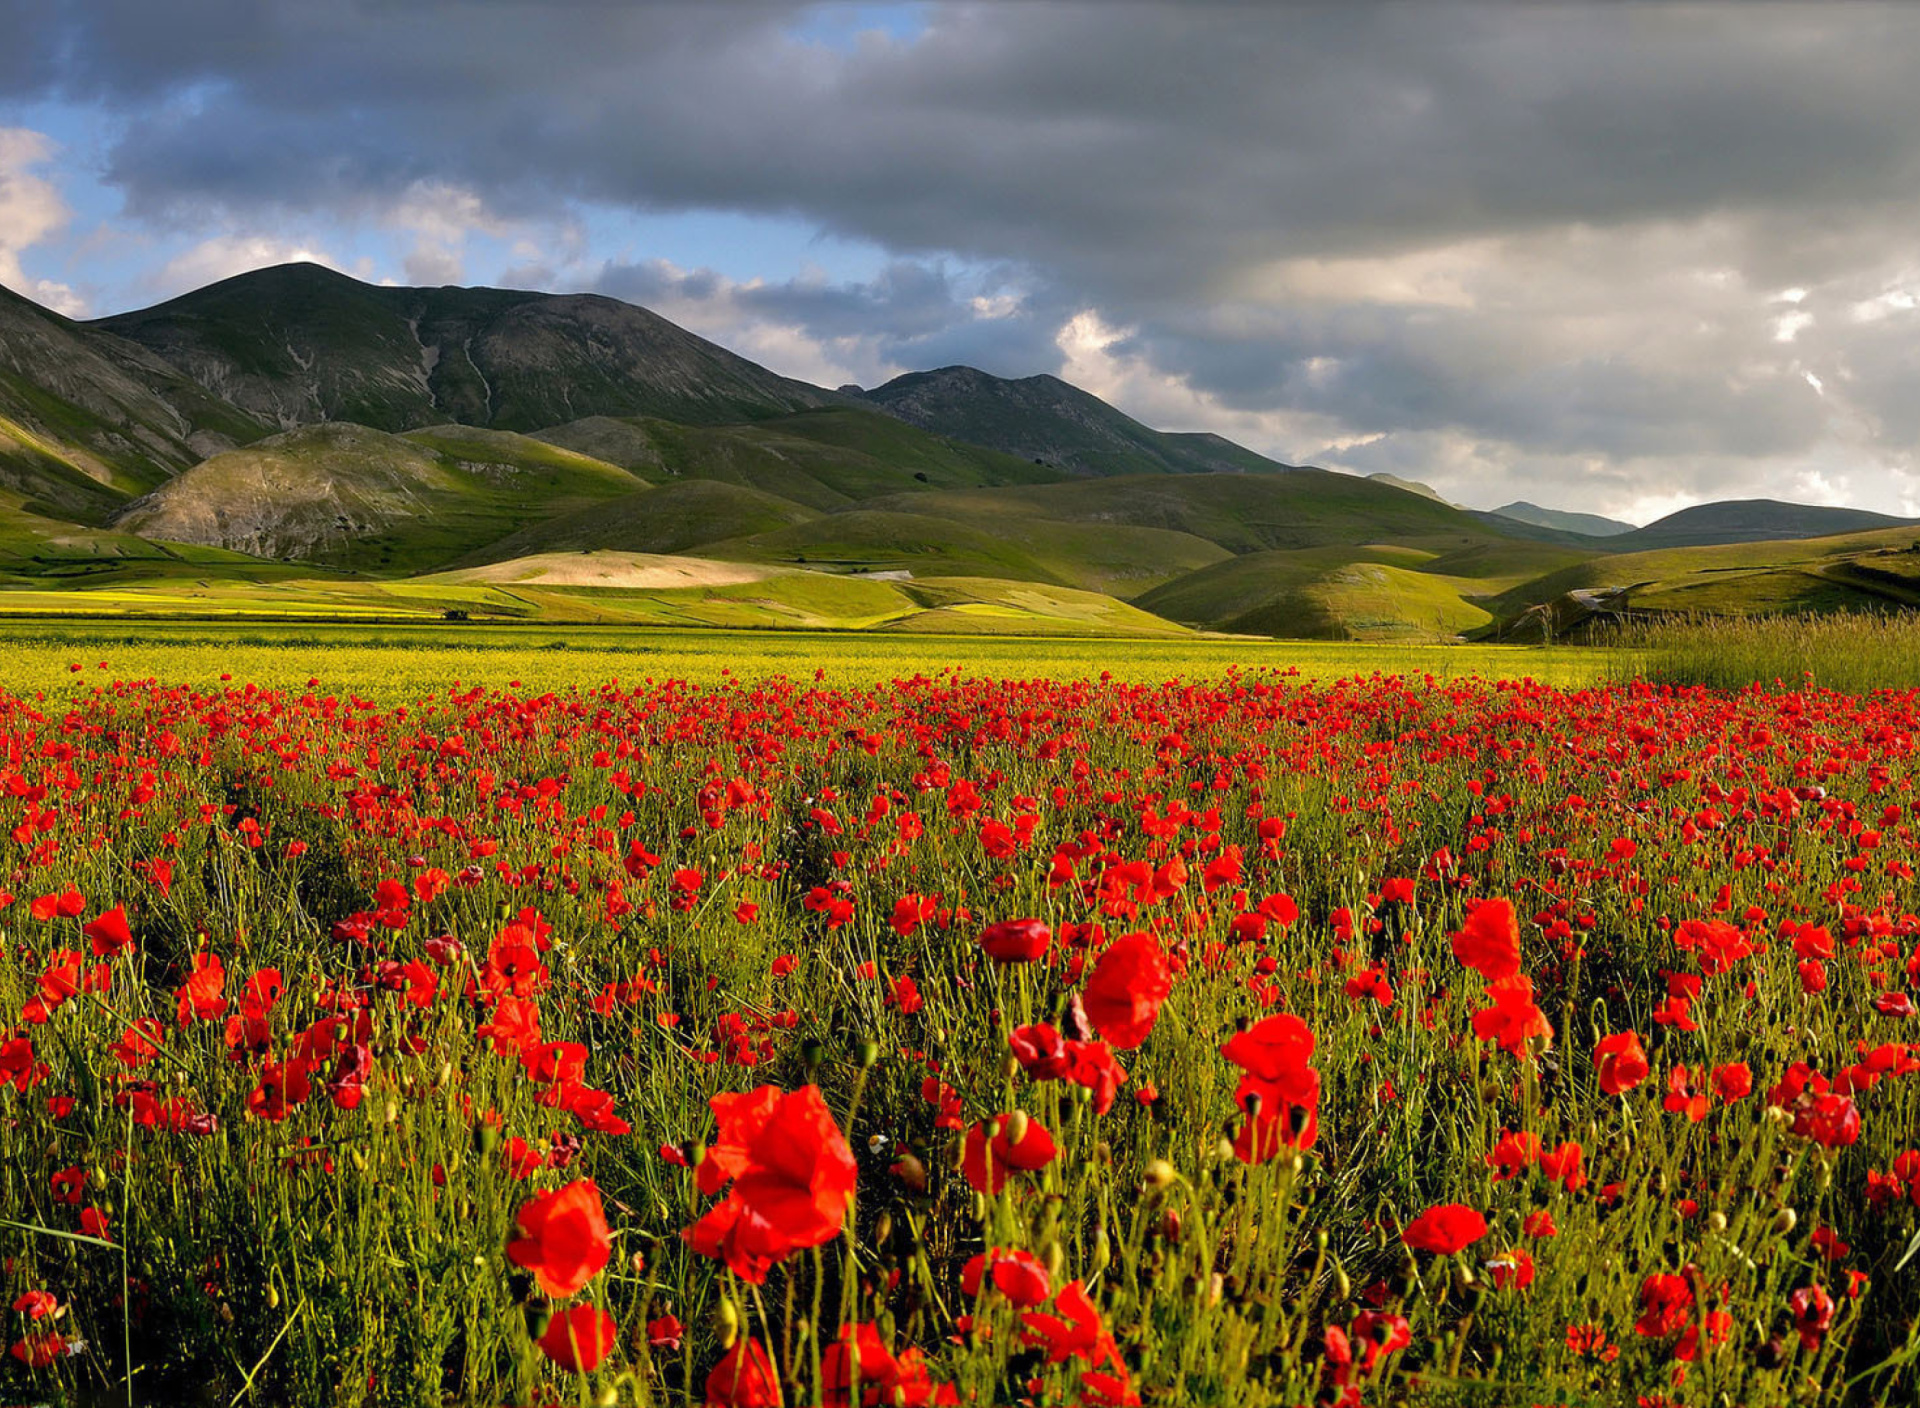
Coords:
1590,524
1044,420
1749,521
346,496
299,344
1239,512
88,420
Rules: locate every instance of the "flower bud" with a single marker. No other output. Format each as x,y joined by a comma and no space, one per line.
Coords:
1161,1174
1785,1220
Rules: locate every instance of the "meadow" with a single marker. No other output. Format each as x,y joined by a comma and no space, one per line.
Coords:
776,1019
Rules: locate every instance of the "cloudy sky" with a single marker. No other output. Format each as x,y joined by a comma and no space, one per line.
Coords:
1614,257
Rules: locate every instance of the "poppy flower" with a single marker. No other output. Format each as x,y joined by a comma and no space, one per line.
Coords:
993,1149
1489,941
1666,1305
1514,1018
1620,1061
743,1378
578,1338
1016,1274
1015,940
1445,1229
799,1171
109,933
564,1239
1127,988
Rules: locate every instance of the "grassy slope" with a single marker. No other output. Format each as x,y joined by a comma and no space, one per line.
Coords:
1240,512
673,518
1119,560
348,497
1737,577
1369,592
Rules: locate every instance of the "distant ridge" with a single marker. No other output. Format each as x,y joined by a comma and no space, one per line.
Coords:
1043,419
1750,521
1591,524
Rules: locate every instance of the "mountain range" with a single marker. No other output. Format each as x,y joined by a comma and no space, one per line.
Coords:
410,446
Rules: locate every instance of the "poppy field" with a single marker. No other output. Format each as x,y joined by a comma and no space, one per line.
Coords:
969,1040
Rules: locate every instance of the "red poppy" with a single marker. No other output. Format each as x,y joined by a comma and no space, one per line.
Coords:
1620,1061
1445,1229
1666,1305
1125,992
995,1148
1514,1018
799,1171
1489,942
564,1239
109,933
743,1378
1015,940
578,1338
1018,1275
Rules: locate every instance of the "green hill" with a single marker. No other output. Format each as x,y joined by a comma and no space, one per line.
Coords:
1240,512
1749,521
673,518
347,496
1116,560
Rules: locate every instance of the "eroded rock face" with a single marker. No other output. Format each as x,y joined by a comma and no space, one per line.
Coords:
296,495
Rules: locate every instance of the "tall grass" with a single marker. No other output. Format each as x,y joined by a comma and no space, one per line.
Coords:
1855,653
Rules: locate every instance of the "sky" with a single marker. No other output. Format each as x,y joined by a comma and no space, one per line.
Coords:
1613,257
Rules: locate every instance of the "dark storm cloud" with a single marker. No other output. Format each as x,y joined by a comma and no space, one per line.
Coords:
1186,170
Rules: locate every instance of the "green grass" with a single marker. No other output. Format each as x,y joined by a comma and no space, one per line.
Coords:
1852,652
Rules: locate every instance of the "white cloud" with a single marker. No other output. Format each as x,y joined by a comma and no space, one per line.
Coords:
223,256
31,209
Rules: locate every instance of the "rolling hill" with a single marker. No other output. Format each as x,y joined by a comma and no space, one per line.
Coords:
1591,525
346,496
1750,521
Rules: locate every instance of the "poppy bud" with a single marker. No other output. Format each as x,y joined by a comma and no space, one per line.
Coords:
1160,1173
393,1112
883,1229
911,1172
1784,1220
1102,1253
486,1139
726,1319
869,1052
1342,1283
273,1297
1017,1125
813,1052
1717,1220
696,1154
608,1397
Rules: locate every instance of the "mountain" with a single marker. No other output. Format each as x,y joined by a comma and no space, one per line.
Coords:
1591,525
347,496
1750,521
299,344
88,420
1044,420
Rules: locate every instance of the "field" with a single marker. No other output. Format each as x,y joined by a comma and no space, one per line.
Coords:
562,1013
